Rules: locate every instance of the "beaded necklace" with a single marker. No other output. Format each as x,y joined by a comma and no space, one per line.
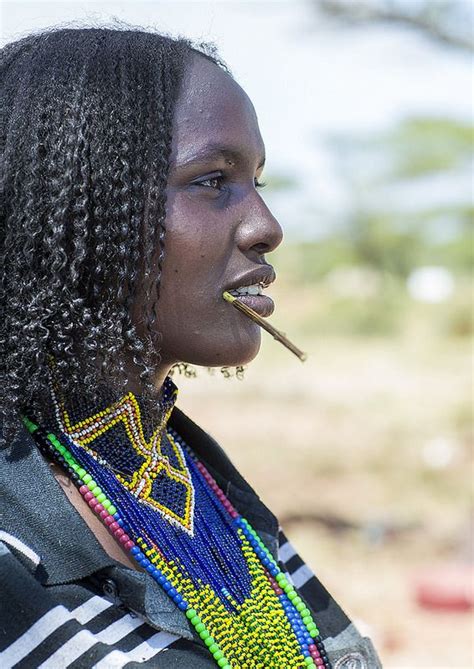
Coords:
161,504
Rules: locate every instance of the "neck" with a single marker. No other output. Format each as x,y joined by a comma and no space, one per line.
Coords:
135,385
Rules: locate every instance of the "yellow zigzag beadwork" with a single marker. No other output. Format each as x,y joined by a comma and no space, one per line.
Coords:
126,412
257,634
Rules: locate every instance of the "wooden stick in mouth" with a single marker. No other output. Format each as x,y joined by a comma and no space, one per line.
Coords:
276,334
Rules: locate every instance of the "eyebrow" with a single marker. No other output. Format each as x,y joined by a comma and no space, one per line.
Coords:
215,152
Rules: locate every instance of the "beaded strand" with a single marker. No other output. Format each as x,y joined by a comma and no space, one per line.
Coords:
297,613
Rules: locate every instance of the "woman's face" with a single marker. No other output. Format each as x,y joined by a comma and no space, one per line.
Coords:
218,228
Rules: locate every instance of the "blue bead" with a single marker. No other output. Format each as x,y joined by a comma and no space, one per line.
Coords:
150,568
135,550
167,586
183,605
172,592
161,579
117,516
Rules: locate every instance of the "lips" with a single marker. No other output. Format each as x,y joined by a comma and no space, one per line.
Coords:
248,289
262,304
264,276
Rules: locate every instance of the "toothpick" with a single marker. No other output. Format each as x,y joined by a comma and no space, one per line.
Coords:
276,334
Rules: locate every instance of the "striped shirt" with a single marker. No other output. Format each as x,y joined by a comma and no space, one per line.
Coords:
64,602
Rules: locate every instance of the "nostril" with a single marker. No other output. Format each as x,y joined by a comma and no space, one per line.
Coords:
261,248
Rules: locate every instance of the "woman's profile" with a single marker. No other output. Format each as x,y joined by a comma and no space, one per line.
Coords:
130,203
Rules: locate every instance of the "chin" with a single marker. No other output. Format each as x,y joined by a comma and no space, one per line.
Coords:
226,353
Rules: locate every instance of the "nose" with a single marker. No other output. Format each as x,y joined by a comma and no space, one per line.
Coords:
258,229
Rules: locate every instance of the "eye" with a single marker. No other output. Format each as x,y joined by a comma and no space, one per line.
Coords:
214,182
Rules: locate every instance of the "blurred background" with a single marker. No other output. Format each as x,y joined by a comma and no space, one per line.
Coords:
364,452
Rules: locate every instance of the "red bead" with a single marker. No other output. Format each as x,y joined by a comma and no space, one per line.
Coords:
104,514
84,489
118,533
93,503
88,496
113,525
319,662
124,538
129,545
99,508
110,520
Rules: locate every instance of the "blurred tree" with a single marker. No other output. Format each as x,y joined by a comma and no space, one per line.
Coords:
446,21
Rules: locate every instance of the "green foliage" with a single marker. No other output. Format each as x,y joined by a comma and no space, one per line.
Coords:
379,244
422,146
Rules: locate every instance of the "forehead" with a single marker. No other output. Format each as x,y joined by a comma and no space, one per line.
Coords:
212,109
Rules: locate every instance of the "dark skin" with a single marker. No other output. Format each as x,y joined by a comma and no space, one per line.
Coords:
218,232
218,226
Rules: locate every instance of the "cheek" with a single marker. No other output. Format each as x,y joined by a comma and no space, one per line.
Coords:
198,246
196,324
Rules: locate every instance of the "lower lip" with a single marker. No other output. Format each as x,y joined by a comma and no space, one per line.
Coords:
262,304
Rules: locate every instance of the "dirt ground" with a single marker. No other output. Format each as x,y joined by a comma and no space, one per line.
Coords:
364,454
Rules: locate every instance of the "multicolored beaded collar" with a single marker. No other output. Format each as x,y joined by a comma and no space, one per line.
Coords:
168,513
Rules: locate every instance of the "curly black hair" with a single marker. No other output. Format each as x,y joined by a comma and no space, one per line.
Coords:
86,140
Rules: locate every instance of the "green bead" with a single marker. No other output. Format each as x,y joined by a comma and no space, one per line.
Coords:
208,641
106,504
299,606
190,613
218,655
226,666
307,620
82,472
101,498
305,611
91,484
200,627
195,621
87,478
292,596
204,635
96,491
309,661
222,662
112,510
213,648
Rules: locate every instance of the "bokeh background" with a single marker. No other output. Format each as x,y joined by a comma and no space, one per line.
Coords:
364,452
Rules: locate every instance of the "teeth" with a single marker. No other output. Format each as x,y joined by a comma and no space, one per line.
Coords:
256,289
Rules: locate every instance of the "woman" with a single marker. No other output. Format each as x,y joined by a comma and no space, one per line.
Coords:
132,166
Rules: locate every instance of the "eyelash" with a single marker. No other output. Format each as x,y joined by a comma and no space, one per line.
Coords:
221,178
